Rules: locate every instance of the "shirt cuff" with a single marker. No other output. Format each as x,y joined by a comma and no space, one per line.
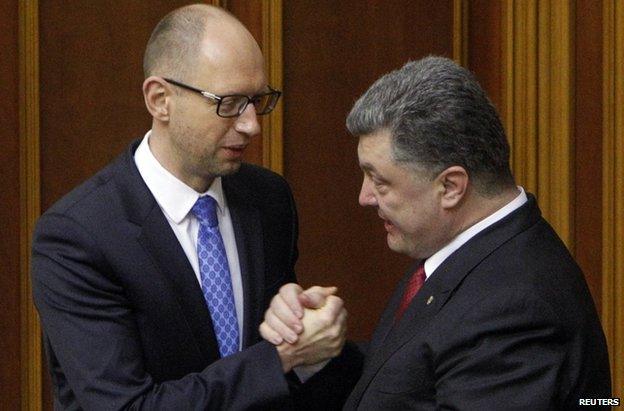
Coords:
305,372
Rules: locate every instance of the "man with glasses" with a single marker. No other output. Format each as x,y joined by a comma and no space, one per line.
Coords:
152,277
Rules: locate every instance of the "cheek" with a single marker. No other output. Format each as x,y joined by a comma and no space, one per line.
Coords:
417,218
208,137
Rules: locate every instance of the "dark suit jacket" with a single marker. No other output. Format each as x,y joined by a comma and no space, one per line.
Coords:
125,323
505,323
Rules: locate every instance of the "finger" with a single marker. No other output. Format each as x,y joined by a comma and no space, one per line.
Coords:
270,335
283,312
342,321
326,291
289,294
279,327
314,297
312,300
333,306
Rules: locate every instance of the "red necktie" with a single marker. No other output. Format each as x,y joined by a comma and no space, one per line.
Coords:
413,285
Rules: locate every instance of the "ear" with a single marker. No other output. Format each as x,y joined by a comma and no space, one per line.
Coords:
157,95
454,183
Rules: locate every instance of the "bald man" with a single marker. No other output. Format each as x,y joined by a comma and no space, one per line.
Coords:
152,277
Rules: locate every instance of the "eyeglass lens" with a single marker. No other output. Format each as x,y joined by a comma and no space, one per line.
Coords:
235,105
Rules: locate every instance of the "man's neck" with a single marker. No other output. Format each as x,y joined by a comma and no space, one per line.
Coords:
479,207
167,159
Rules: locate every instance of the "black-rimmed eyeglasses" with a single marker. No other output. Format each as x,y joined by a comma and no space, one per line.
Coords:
234,104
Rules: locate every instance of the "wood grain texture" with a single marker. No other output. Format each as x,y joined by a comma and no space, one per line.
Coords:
31,350
612,188
91,76
485,44
10,327
588,117
538,95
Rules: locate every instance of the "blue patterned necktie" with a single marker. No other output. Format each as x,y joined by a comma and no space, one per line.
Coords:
214,271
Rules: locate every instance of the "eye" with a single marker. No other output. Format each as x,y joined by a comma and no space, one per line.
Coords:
229,102
380,184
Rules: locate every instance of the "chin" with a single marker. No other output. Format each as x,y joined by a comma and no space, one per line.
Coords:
234,167
398,245
395,245
229,168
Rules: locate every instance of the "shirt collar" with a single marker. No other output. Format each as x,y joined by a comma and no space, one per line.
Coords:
173,196
433,262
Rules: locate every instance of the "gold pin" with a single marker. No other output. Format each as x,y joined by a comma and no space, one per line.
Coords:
430,300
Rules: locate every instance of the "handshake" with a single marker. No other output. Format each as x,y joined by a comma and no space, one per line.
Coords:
307,326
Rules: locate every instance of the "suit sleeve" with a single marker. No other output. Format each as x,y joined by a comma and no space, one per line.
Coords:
329,388
90,328
509,354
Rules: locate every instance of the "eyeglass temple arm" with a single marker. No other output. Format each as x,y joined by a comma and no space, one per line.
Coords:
186,86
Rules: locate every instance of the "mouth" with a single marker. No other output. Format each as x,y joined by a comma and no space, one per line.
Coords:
387,224
235,151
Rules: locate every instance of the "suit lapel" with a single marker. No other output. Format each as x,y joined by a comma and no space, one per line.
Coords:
390,336
386,322
161,244
248,232
437,290
163,248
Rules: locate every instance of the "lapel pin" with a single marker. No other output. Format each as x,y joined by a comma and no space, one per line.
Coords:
430,300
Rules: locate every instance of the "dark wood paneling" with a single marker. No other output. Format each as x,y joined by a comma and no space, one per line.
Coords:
333,51
91,76
9,209
485,46
249,12
588,144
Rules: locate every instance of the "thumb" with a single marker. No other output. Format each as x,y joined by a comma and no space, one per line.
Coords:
315,297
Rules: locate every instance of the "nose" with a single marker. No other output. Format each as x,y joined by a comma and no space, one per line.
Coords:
247,123
367,197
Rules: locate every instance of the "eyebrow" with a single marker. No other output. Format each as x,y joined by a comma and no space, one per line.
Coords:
368,167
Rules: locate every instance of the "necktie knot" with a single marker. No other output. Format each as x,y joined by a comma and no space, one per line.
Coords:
205,209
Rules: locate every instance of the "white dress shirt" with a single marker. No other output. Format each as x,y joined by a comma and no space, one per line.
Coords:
433,262
176,200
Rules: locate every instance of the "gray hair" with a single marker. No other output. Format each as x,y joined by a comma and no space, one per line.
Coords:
438,116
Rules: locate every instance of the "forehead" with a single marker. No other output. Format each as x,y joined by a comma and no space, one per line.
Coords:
230,67
375,149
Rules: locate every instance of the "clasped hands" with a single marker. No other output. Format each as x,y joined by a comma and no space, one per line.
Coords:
307,326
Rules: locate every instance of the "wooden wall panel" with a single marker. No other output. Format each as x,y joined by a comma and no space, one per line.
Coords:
91,76
333,51
10,329
250,13
538,94
31,352
588,144
485,47
612,188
